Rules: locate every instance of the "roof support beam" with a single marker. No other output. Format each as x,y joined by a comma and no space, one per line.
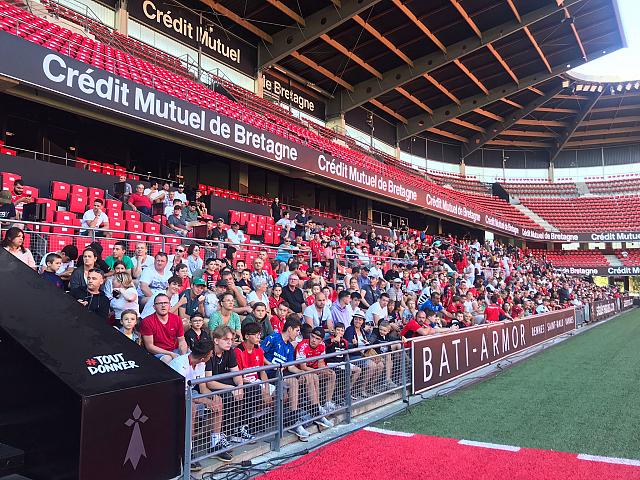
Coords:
575,123
531,122
350,55
603,141
502,62
382,39
398,76
537,47
287,11
421,122
222,10
418,23
319,68
463,13
499,127
288,40
473,78
611,121
386,109
518,143
605,131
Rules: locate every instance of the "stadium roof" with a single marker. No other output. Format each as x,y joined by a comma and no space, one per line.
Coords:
468,71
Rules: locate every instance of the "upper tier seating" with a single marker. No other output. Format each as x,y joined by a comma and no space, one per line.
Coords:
588,214
573,258
627,186
631,259
541,189
464,184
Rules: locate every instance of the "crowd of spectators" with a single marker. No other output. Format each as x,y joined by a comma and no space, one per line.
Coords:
326,290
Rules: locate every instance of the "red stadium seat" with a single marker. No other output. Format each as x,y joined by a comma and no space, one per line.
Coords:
118,226
95,193
135,226
234,216
8,179
31,192
150,227
155,242
77,203
107,246
115,215
56,243
113,204
108,169
79,190
252,228
130,215
94,166
64,218
134,238
82,243
60,191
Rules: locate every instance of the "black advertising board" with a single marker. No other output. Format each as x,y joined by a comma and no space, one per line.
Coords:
105,408
289,92
619,271
43,68
175,21
440,358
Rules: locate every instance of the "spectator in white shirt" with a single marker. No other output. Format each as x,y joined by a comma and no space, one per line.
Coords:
154,280
154,193
180,195
318,314
168,209
378,311
95,218
235,235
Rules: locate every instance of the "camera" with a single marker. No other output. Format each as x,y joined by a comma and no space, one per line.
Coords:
116,293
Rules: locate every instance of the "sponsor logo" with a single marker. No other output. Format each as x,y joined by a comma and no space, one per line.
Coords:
101,364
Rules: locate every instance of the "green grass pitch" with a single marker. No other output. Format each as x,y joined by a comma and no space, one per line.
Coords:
581,396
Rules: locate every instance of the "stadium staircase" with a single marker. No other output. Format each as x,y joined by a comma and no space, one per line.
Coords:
614,261
535,217
583,189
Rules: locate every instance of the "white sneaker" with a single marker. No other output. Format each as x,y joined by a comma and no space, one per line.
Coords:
330,406
302,434
323,410
323,422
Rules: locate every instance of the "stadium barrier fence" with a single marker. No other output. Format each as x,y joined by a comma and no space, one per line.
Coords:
272,401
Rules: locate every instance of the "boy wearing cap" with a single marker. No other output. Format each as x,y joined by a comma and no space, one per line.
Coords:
194,303
311,348
235,236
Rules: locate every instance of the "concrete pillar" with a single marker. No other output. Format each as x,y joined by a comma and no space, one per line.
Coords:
337,124
239,178
397,152
369,211
463,168
552,172
260,84
122,19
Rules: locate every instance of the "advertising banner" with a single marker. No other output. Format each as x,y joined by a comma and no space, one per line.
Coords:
602,309
175,21
622,271
289,92
440,358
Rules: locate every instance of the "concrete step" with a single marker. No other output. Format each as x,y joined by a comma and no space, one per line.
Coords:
614,261
535,217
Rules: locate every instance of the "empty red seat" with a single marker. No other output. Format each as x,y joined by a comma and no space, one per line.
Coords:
108,169
79,190
115,215
134,226
31,192
94,166
234,216
150,227
60,191
64,218
111,204
131,215
118,226
77,203
95,193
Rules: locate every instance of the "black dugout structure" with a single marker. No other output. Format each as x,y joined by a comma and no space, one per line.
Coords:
81,399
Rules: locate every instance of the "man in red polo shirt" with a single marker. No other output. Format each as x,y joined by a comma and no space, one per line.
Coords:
249,355
162,332
493,311
140,201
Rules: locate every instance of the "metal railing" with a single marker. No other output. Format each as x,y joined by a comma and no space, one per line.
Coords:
42,234
276,401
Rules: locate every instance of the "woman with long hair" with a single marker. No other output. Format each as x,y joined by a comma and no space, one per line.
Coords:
13,242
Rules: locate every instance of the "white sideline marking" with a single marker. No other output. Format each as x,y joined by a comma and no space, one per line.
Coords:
618,461
495,446
388,432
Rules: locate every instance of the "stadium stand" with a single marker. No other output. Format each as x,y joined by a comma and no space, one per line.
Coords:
577,258
549,189
585,214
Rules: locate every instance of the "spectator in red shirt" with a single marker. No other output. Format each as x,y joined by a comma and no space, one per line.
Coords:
250,355
275,299
493,312
140,201
162,332
309,348
280,316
